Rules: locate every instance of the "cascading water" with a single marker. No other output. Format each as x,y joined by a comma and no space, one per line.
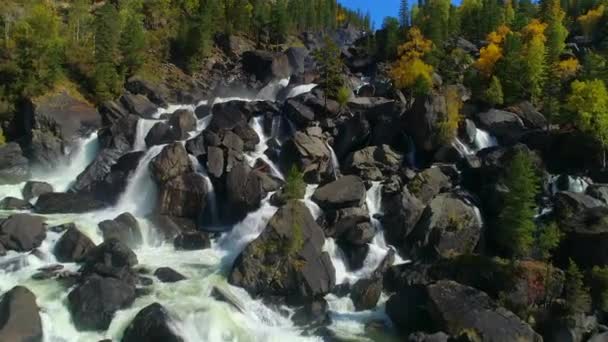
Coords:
143,128
211,198
256,125
335,164
301,89
484,140
271,91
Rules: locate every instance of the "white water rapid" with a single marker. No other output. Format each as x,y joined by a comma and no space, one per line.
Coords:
482,141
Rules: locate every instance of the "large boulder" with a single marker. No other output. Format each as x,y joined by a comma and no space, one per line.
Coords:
67,203
151,324
449,226
73,246
347,191
34,189
287,259
20,316
451,307
171,162
95,173
94,302
113,259
504,125
13,203
352,135
160,134
14,167
192,241
421,122
183,196
228,115
298,113
183,121
266,66
139,105
124,228
53,121
429,183
366,291
120,135
402,210
22,232
243,193
159,94
298,58
308,151
196,146
374,162
168,275
112,111
531,117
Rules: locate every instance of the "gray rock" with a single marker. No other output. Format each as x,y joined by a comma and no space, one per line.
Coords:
374,162
138,105
183,121
34,189
20,316
73,246
309,152
183,196
171,162
347,191
168,275
504,125
22,232
66,203
13,203
14,167
151,324
124,228
160,134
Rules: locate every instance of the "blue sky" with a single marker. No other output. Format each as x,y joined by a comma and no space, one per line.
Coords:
378,8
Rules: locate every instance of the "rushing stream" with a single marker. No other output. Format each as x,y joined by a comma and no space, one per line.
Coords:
195,315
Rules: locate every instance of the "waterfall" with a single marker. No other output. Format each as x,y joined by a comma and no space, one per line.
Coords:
335,164
272,89
574,184
462,148
256,125
300,89
484,140
211,198
143,128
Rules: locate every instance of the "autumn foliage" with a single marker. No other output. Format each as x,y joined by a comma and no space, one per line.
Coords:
410,69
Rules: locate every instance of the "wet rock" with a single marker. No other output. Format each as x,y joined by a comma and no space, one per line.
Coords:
429,183
92,178
62,227
14,167
196,146
94,302
287,259
599,192
110,258
355,255
229,115
67,203
243,193
183,121
12,203
360,234
374,162
22,232
73,246
215,161
352,135
159,94
119,136
421,122
531,117
402,210
160,134
183,196
452,307
504,125
347,191
224,295
448,227
124,228
138,105
337,223
266,66
112,111
172,161
249,136
151,324
312,313
20,316
168,275
366,291
298,113
308,151
34,189
191,241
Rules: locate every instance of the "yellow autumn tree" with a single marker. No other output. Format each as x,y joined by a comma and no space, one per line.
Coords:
535,58
534,29
410,70
567,68
492,53
589,20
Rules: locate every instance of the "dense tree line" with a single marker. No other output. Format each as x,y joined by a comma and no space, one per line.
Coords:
97,45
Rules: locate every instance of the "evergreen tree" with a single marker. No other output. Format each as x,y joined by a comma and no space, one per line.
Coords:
599,287
132,43
330,67
576,294
107,81
516,227
389,40
494,95
295,187
511,67
556,31
404,14
279,24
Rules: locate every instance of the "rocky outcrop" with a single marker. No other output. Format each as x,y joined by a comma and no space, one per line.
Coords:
183,196
347,191
159,94
124,228
34,189
73,246
448,227
94,302
20,316
138,105
429,183
120,135
366,291
531,117
352,135
160,134
422,120
67,203
287,259
183,121
308,151
298,113
374,162
151,324
14,167
243,193
266,66
112,258
13,203
22,232
451,307
191,241
402,210
506,126
172,161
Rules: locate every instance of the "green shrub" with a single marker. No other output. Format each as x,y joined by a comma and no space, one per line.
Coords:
295,187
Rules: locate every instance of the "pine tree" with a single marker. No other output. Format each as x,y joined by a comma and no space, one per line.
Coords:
516,225
295,187
576,294
132,43
511,67
279,24
330,67
107,32
389,41
556,31
494,95
404,14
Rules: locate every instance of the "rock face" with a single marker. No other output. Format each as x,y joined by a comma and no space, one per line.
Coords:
183,121
451,307
73,246
20,316
366,291
94,302
171,162
266,66
139,105
298,113
22,232
67,203
309,152
124,228
504,125
120,135
161,134
183,196
14,167
374,162
243,193
402,210
287,259
35,189
448,227
348,191
422,120
151,324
